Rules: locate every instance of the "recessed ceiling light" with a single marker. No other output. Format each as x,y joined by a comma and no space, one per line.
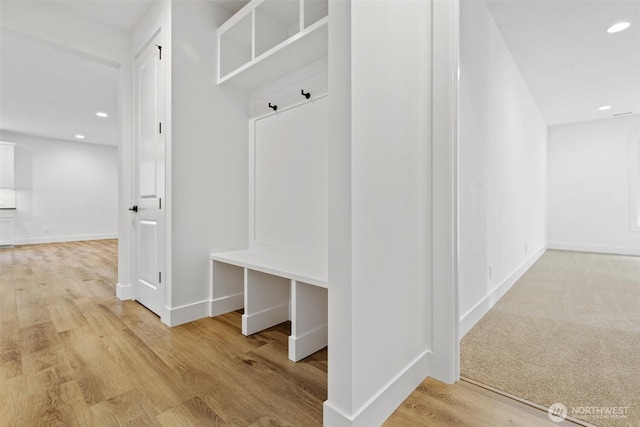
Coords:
605,107
620,26
80,136
101,114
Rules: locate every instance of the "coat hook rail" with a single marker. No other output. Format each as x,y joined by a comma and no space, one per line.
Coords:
306,95
274,107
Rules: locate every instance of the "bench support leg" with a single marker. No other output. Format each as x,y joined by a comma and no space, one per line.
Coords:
266,301
227,288
309,320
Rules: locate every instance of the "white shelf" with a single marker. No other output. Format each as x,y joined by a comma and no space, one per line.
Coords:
268,39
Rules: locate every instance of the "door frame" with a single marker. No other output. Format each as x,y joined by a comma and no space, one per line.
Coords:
634,180
156,21
445,83
156,38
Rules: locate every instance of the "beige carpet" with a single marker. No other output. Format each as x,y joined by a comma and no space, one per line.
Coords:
568,331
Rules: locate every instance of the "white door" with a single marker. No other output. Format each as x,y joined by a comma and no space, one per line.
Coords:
149,173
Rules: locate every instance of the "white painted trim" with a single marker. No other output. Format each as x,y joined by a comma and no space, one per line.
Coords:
155,25
288,107
60,239
125,118
308,343
615,250
189,312
156,20
445,364
124,292
377,409
252,181
166,28
256,322
186,313
147,43
634,181
226,304
471,317
238,16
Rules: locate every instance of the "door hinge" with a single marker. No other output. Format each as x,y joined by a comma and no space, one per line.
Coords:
160,127
160,203
159,52
159,277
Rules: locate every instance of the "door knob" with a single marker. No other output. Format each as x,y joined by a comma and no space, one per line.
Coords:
134,208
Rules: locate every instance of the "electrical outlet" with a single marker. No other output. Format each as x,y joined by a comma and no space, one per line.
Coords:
526,247
47,231
490,271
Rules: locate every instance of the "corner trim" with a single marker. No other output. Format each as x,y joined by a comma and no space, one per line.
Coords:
471,317
186,313
382,404
303,345
124,292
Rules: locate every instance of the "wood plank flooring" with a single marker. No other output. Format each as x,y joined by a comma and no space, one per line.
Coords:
71,354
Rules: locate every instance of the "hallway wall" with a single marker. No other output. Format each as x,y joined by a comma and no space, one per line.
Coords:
590,174
209,159
502,168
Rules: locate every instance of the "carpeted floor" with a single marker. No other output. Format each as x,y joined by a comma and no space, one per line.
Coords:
567,332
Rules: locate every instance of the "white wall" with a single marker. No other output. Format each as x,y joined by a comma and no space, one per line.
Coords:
502,168
209,157
379,208
589,178
69,188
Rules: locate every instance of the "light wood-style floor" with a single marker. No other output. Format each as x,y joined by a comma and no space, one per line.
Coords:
71,354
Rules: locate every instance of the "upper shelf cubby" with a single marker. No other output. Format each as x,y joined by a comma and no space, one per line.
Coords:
270,38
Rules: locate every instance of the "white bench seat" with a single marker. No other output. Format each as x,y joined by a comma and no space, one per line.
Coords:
274,284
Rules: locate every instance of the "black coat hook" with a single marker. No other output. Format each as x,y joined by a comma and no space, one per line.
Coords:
275,107
306,95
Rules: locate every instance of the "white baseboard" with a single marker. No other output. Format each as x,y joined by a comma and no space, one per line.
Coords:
615,250
187,313
190,312
308,343
61,239
256,322
124,292
226,304
470,318
385,401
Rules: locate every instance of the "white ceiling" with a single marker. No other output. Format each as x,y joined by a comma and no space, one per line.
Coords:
570,63
52,93
126,14
122,14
